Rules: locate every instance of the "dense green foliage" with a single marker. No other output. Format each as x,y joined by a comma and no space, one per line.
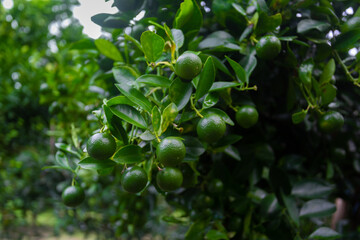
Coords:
275,175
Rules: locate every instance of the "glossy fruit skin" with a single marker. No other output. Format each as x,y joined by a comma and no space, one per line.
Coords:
101,146
188,66
169,179
170,151
73,196
134,179
268,47
211,128
247,116
331,121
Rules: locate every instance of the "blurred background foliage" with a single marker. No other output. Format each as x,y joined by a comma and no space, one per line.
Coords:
52,77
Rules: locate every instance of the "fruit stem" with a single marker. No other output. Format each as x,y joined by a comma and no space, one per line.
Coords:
166,64
73,181
193,107
344,67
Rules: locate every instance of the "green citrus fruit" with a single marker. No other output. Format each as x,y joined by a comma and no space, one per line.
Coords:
101,146
216,186
188,66
211,128
170,151
268,47
134,179
331,121
73,196
169,179
247,116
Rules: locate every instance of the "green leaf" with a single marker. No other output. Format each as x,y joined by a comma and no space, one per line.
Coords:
298,117
250,63
210,100
228,140
108,49
152,45
178,37
328,94
207,77
219,112
219,41
55,167
328,72
147,136
239,9
218,64
129,114
215,235
193,146
135,96
180,93
168,116
239,70
188,18
129,154
118,100
317,208
196,230
290,204
233,152
115,125
62,160
223,85
347,40
324,233
307,25
156,120
93,164
66,148
311,188
124,74
109,20
154,80
305,72
248,30
267,23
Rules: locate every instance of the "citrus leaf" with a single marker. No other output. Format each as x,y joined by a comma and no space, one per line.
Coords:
188,18
109,20
193,146
267,23
207,77
115,125
62,160
154,80
328,72
317,208
129,154
324,233
298,117
135,96
168,116
129,114
180,93
210,100
66,148
306,25
108,49
118,100
239,9
178,37
347,40
216,235
219,112
290,204
124,74
232,152
223,85
238,69
311,188
93,164
152,45
305,72
328,94
156,120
